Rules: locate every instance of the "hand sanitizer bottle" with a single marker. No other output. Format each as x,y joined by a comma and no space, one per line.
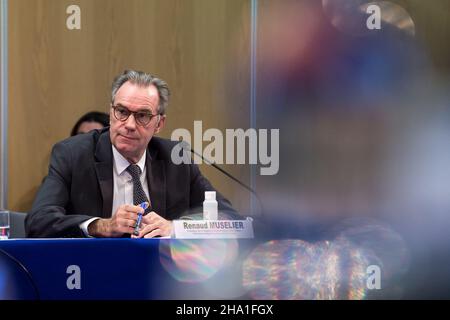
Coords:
210,206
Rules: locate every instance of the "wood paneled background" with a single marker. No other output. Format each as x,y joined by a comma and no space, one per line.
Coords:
56,74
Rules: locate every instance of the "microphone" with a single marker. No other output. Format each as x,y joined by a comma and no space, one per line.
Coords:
185,146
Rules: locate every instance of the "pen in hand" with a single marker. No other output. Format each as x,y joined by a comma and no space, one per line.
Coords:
144,206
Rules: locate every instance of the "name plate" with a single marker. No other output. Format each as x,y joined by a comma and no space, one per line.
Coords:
213,229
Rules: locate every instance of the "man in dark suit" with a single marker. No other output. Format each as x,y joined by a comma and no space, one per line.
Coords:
96,180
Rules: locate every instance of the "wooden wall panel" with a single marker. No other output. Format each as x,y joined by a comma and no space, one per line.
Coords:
57,74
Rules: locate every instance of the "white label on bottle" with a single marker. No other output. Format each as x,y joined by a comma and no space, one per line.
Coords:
210,214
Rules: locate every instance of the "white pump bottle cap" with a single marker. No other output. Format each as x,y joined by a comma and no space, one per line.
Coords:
210,195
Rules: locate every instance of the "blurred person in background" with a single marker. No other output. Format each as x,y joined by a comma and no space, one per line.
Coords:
90,121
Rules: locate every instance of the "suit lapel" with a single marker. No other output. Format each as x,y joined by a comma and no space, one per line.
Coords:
156,180
104,170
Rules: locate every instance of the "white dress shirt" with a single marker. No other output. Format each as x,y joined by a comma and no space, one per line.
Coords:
123,184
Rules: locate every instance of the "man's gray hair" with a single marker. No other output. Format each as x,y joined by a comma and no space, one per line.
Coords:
143,79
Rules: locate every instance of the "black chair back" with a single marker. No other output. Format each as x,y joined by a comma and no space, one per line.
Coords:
17,225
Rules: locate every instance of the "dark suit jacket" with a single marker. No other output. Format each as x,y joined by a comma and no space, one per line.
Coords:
79,185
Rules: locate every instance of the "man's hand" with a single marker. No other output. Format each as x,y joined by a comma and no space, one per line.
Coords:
122,222
154,225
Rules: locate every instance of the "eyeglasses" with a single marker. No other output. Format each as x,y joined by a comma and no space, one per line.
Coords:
142,118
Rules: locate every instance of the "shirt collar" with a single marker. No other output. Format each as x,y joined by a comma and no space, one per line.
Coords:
121,164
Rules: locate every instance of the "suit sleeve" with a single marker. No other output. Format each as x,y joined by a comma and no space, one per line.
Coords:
199,184
48,217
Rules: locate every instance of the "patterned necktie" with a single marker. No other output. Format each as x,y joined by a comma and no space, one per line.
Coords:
139,195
